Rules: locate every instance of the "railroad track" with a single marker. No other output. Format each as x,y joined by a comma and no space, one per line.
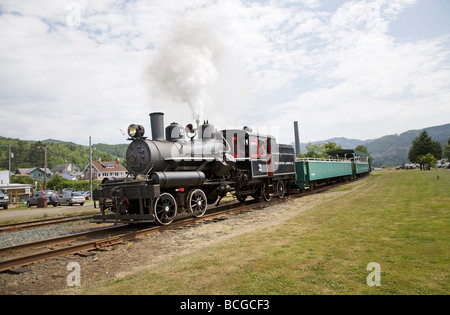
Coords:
129,232
13,227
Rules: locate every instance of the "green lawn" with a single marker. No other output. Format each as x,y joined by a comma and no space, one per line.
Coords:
397,219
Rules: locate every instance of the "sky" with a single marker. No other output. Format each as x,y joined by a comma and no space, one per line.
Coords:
359,69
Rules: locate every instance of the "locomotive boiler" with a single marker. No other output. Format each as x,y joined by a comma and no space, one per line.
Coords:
180,173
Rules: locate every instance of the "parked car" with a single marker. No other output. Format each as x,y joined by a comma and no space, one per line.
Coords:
4,200
51,196
87,195
69,198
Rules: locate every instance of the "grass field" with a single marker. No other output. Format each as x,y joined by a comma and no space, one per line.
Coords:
397,219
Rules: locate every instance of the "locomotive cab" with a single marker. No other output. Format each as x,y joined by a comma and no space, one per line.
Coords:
263,167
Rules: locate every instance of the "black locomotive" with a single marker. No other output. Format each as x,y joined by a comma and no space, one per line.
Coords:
181,173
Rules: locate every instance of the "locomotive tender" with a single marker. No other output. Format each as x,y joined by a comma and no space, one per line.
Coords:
180,174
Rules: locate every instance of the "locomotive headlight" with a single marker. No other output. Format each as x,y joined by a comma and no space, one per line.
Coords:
132,130
136,131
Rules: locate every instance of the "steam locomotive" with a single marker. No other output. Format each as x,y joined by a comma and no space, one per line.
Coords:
190,168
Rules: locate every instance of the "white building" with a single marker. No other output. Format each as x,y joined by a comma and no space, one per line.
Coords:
4,178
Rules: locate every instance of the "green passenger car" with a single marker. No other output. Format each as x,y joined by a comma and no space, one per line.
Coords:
311,172
361,162
361,168
341,165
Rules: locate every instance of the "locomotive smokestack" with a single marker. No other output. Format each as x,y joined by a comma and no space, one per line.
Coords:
297,139
157,124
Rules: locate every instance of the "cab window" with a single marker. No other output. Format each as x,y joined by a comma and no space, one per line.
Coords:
254,149
235,145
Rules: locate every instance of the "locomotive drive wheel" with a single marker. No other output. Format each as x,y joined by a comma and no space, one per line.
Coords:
281,189
165,207
266,193
197,202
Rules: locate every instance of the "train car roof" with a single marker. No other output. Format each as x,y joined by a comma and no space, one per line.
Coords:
250,133
346,151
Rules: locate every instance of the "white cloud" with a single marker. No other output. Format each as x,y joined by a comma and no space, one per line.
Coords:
363,75
323,64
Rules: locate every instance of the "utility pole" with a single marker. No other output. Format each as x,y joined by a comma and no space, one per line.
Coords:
45,166
9,163
90,168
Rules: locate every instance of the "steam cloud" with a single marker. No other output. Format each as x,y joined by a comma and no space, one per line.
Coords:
187,64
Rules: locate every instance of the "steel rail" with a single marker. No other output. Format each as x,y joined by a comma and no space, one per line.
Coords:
6,228
63,239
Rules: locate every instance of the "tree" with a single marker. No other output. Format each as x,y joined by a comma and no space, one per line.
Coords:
22,180
447,150
427,161
313,151
317,151
423,145
363,149
57,182
329,146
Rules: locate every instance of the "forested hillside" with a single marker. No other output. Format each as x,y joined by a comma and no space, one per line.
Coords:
119,150
393,150
27,154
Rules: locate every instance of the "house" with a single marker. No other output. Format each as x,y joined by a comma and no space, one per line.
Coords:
73,171
4,177
101,170
36,173
65,169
